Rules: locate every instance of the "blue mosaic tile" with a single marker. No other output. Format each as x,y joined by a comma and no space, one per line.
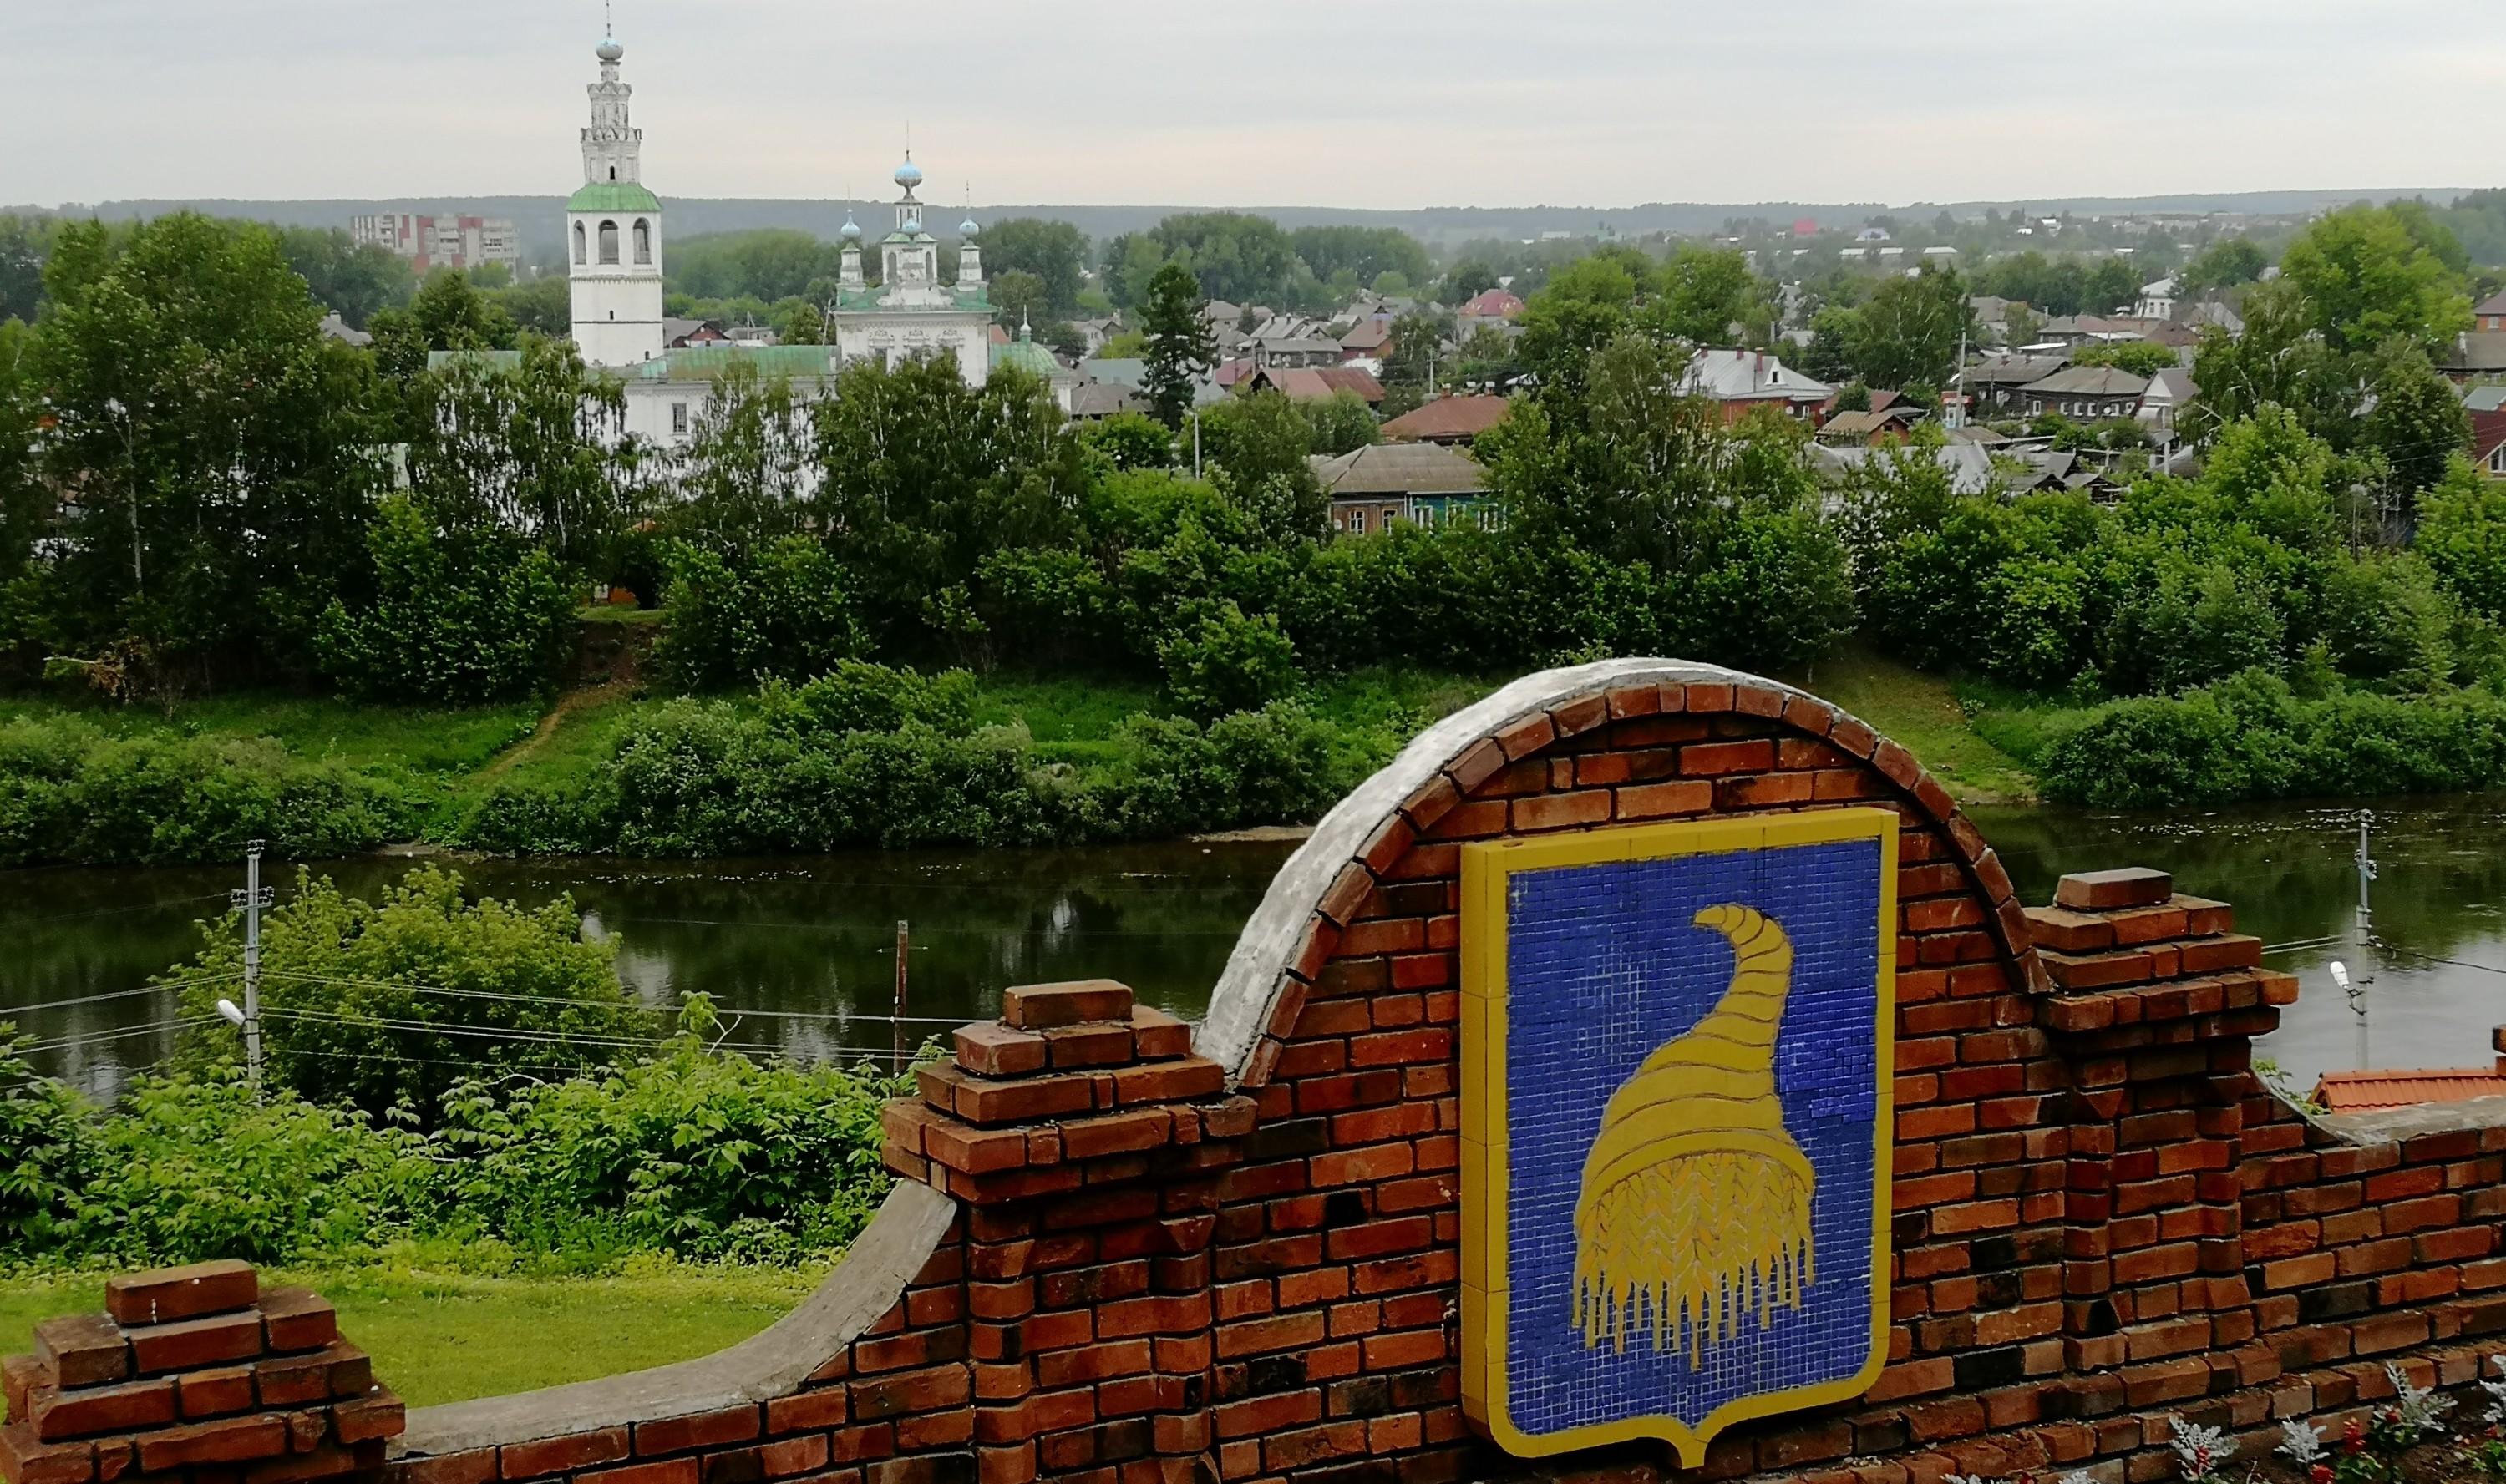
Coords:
1604,966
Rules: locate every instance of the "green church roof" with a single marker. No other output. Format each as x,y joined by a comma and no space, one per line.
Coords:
613,195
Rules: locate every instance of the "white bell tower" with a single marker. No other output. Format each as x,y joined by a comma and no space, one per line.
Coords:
613,233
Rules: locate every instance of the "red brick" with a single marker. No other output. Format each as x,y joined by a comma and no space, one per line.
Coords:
990,1049
83,1349
1707,758
1092,1044
379,1414
1561,811
297,1319
476,1467
169,1293
663,1471
563,1454
187,1344
1171,1081
1038,1006
2101,891
86,1411
24,1460
215,1393
701,1429
1158,1034
805,1409
231,1440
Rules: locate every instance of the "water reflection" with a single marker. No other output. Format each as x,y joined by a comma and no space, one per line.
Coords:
816,937
2440,906
812,938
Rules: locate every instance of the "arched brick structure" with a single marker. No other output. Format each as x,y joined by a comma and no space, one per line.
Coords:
1128,1252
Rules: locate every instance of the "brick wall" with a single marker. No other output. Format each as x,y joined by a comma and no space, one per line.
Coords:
1126,1253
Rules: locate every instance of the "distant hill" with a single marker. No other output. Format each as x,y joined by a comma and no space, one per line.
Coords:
541,216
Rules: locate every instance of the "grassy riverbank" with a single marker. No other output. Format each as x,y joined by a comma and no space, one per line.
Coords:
440,1337
81,780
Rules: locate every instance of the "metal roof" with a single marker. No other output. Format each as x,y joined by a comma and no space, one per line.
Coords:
613,195
1402,469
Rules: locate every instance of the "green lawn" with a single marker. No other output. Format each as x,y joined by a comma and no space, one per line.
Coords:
1923,714
432,741
440,1337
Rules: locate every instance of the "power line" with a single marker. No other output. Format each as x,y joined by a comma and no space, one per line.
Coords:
145,906
121,994
67,1042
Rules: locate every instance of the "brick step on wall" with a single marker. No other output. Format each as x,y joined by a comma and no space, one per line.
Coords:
194,1375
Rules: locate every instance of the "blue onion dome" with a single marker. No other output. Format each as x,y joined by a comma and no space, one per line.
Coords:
609,51
912,225
908,174
851,230
967,228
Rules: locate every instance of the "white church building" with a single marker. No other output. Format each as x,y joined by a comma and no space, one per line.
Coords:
614,265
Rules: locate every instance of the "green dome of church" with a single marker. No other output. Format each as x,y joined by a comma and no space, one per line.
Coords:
613,195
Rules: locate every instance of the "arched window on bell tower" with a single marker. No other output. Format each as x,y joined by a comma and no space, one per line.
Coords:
578,242
643,240
609,242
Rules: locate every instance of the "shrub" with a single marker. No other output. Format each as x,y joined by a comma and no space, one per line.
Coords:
705,1156
377,1003
190,1168
696,1154
455,617
1219,660
70,793
1279,765
2253,737
786,613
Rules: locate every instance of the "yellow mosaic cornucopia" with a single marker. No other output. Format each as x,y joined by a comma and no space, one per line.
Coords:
1694,1206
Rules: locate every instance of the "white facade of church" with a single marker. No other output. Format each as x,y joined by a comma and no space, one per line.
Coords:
613,236
613,233
910,311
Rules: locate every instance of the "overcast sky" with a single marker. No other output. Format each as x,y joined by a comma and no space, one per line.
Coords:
1397,103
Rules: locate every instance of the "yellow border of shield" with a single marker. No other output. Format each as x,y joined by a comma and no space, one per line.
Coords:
1486,869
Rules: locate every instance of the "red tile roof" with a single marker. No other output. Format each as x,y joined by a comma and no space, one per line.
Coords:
1494,305
2369,1091
1313,382
1447,419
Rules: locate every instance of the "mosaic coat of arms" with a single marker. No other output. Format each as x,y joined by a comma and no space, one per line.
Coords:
1675,1113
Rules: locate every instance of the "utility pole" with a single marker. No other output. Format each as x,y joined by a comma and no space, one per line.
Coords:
2366,865
896,1026
252,899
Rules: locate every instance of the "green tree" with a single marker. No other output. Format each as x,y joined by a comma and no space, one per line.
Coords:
921,475
1054,252
542,305
2366,279
767,265
25,244
1712,296
1130,440
2225,264
1181,348
448,313
1467,280
1906,337
2417,422
750,465
2278,361
1341,423
522,448
1019,297
453,617
1364,253
1259,446
355,1003
1235,255
2141,358
355,281
2462,538
221,443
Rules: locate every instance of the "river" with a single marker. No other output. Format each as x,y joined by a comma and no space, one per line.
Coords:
817,935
